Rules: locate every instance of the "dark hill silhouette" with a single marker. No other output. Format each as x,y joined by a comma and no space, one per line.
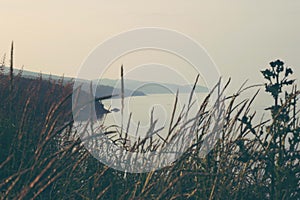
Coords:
101,89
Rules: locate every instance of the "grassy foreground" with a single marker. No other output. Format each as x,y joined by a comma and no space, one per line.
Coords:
41,158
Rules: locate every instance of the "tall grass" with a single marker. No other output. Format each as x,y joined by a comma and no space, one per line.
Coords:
42,157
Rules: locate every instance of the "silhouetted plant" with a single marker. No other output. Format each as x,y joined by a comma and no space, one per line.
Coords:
11,67
282,133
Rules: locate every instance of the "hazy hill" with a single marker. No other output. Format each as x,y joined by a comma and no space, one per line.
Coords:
153,88
101,89
132,87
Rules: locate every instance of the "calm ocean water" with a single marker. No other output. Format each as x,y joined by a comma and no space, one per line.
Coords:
159,106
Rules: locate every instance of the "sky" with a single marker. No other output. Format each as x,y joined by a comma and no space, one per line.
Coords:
241,36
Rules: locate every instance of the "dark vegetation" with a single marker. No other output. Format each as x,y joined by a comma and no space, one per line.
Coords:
41,160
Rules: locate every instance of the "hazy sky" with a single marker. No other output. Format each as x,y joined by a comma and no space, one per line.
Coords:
241,36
